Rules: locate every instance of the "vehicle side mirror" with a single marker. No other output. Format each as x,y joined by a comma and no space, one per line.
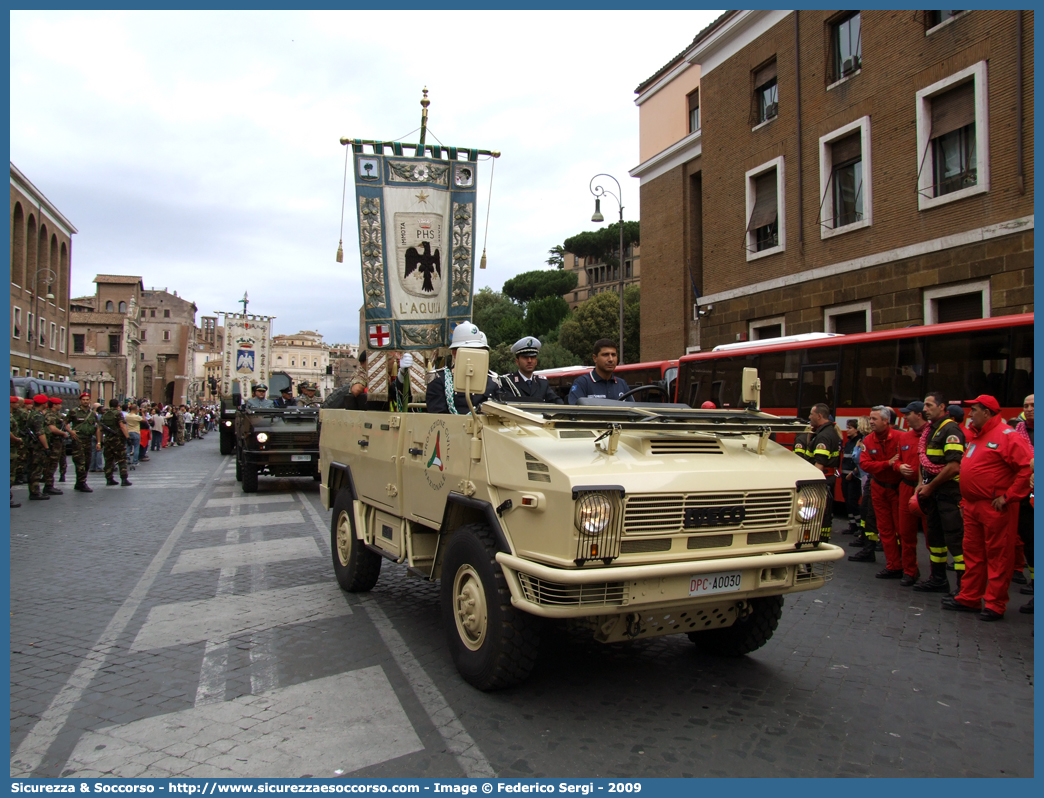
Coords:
751,395
470,370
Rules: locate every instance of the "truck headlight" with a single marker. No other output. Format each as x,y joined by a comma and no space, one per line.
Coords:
593,513
262,437
809,506
228,423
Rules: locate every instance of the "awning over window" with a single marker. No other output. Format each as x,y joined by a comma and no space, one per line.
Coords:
953,110
765,211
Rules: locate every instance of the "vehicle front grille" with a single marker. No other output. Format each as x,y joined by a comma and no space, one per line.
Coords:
293,440
709,542
556,594
641,546
813,572
740,511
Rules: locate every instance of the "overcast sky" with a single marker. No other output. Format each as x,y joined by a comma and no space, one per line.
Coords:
200,150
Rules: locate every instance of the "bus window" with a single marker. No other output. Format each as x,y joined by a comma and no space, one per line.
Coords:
885,373
779,374
967,365
1020,368
696,388
822,355
728,377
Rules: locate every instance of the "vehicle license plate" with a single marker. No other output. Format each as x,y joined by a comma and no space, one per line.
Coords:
706,584
300,458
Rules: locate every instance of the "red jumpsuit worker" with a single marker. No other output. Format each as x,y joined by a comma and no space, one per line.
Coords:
995,476
880,452
907,466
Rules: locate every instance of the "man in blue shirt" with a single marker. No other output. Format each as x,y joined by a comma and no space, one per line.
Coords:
600,382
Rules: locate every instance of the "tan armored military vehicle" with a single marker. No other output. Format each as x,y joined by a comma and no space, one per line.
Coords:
630,520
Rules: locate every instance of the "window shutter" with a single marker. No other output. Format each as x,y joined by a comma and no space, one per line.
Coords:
765,74
694,100
953,110
962,307
764,202
847,149
850,323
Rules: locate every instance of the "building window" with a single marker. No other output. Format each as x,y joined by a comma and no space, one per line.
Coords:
114,344
109,307
766,228
54,335
952,140
957,302
16,323
143,313
166,335
78,347
61,340
768,328
14,371
293,362
848,319
123,307
694,111
846,46
152,314
766,93
844,179
143,334
42,327
933,19
166,313
29,329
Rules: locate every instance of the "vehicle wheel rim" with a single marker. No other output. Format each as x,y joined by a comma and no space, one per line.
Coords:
469,607
344,539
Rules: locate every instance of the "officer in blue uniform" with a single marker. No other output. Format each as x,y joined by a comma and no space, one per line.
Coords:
523,385
600,382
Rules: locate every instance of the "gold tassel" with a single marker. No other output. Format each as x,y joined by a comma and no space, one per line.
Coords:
340,252
482,260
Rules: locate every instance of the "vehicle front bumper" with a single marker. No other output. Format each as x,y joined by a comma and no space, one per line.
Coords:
585,592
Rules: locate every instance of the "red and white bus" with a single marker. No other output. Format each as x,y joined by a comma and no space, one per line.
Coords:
634,374
853,373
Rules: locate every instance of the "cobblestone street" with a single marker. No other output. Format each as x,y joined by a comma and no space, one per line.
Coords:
182,628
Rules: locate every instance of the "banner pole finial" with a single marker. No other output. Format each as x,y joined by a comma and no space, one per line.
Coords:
425,102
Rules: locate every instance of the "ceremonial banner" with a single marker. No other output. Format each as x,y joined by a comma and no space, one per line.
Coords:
247,358
416,224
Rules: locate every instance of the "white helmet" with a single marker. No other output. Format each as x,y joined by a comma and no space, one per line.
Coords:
468,336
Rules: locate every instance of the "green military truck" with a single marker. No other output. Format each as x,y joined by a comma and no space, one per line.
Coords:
279,442
630,520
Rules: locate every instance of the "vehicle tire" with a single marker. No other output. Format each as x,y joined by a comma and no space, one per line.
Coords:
494,645
747,634
239,468
355,566
250,478
339,399
227,442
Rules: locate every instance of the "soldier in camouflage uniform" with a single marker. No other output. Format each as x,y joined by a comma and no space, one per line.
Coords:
179,414
58,452
17,430
38,454
55,442
115,435
307,396
83,422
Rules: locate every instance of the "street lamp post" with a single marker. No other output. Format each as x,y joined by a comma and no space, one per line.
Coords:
599,192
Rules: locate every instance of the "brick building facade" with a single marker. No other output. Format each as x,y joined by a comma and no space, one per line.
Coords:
594,276
41,258
105,338
846,171
167,362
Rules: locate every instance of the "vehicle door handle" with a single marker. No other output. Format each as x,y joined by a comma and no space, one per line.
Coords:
416,452
363,442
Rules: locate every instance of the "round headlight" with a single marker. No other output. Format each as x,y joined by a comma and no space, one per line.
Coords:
228,423
593,512
804,509
262,437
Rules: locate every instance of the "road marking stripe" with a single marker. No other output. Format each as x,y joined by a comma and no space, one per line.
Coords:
231,501
252,519
458,742
224,616
30,753
254,553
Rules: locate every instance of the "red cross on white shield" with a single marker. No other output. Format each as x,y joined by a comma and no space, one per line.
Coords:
380,335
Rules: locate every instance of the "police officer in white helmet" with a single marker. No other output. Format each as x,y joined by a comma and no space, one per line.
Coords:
524,385
441,396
